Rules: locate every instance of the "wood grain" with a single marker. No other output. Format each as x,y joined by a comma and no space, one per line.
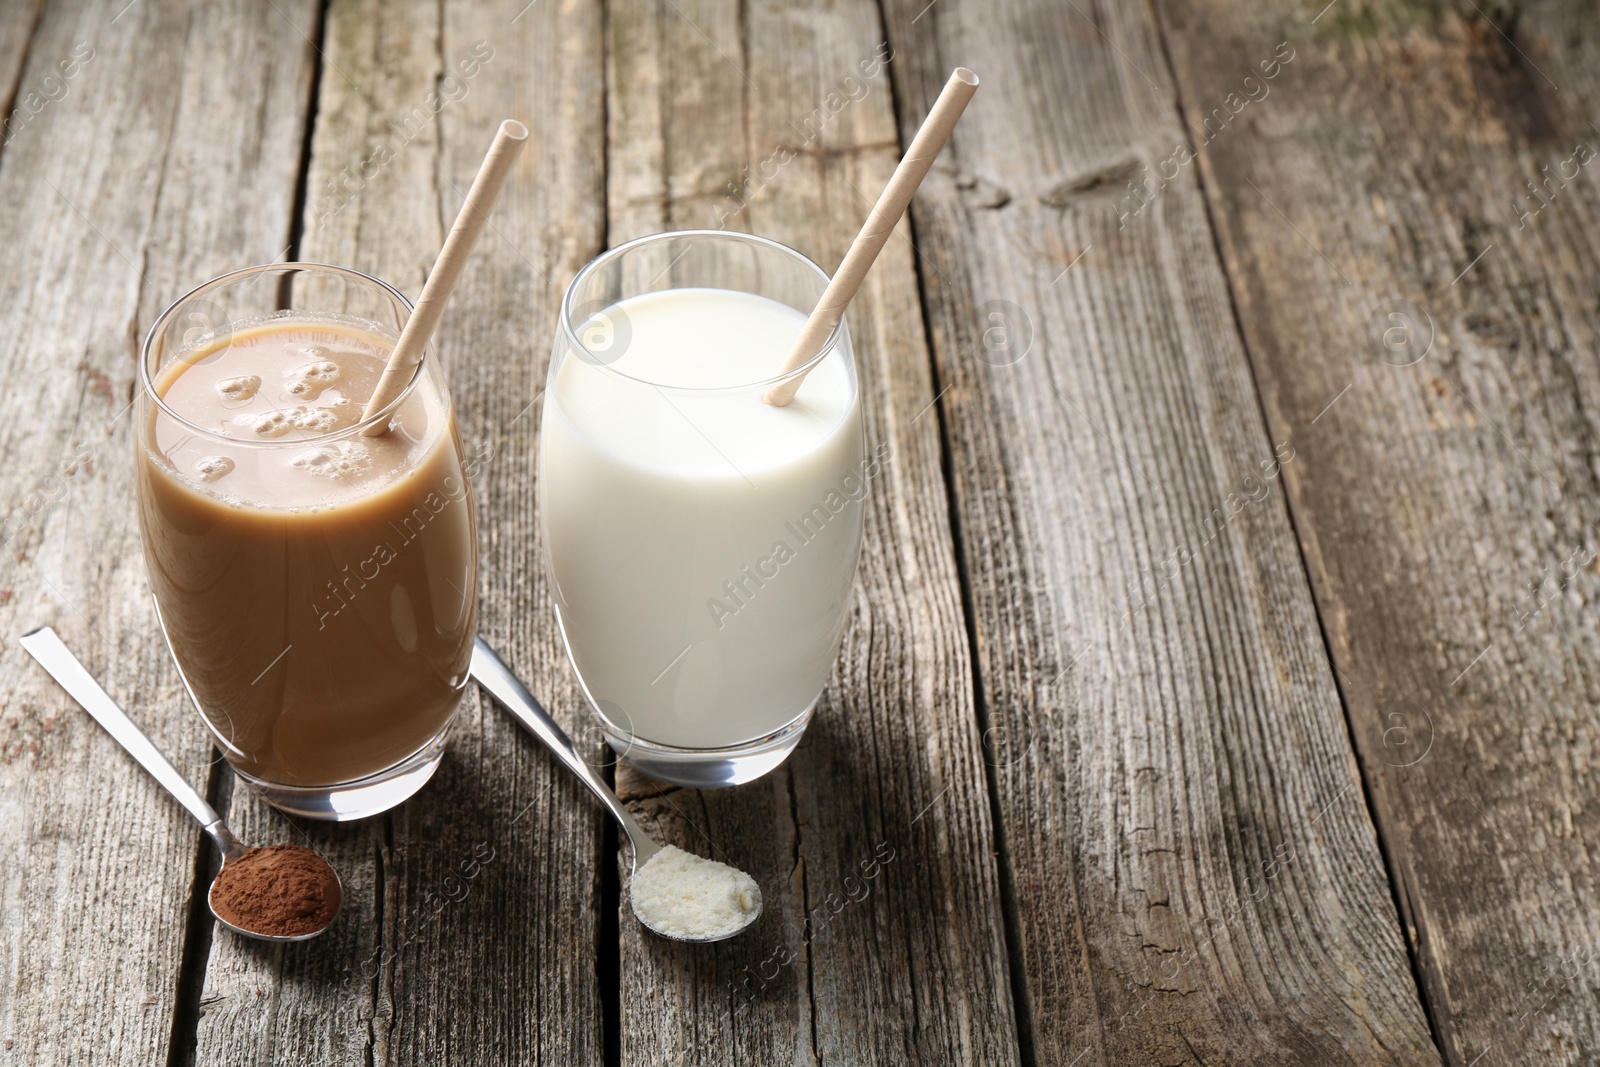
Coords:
119,193
1428,336
1193,876
22,103
881,941
1091,782
471,914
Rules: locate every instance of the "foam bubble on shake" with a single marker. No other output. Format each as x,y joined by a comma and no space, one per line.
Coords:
314,420
339,414
308,382
347,459
210,468
268,424
236,389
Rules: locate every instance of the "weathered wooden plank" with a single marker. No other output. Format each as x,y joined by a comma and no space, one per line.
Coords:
1192,873
1428,339
882,940
473,909
24,103
126,187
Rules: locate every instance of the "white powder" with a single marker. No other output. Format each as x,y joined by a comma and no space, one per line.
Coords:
678,894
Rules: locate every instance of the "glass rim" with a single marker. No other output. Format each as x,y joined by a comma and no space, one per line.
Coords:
147,381
582,351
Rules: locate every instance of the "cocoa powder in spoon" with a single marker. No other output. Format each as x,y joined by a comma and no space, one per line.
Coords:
278,890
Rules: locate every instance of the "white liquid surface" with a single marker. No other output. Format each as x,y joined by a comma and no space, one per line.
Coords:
703,544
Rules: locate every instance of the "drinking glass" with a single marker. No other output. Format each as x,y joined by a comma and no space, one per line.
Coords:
702,576
321,615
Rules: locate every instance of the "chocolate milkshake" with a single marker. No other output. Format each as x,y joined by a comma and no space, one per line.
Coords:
318,587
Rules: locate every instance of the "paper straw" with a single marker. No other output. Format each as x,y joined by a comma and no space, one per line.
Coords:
875,231
508,142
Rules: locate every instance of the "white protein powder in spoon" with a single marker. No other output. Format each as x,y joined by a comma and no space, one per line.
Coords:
679,894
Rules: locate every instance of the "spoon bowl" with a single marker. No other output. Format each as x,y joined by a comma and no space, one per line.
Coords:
54,656
234,850
491,672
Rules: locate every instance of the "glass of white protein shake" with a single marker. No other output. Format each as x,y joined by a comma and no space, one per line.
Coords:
701,544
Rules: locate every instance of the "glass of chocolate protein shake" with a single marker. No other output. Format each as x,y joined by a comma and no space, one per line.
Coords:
315,572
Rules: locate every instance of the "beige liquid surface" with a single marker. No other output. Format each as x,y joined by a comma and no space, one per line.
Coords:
318,587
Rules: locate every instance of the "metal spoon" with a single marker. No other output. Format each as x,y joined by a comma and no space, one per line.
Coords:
54,656
492,673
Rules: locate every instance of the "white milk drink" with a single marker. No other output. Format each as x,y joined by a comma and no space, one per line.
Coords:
702,543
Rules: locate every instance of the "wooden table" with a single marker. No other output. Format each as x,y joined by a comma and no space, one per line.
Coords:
1223,675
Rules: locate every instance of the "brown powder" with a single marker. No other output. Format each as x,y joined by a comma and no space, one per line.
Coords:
279,890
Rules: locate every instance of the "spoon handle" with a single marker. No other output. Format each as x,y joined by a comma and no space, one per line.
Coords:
54,656
492,673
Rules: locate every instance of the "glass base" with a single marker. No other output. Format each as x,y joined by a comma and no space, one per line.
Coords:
364,797
708,768
372,795
695,768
